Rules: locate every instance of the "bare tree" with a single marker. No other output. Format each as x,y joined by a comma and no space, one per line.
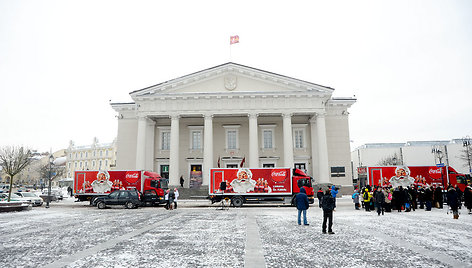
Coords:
389,160
57,171
467,154
13,160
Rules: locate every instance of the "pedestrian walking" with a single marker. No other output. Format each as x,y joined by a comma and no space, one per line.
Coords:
176,196
328,204
69,190
428,198
166,198
182,181
302,205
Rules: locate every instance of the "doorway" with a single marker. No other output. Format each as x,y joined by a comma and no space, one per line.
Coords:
196,178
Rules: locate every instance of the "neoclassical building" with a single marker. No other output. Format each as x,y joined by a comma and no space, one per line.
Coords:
232,115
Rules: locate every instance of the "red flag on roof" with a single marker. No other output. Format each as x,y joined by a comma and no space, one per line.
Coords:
233,39
242,162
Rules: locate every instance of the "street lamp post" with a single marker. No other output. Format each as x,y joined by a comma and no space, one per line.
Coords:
439,155
466,143
51,160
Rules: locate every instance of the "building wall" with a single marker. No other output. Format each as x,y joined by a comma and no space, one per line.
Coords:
96,156
412,154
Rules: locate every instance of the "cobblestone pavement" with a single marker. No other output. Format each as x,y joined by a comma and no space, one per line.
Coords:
197,235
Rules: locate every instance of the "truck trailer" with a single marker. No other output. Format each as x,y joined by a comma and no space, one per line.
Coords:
433,176
91,184
246,185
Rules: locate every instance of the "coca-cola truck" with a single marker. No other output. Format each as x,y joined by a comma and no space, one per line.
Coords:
91,184
417,175
246,185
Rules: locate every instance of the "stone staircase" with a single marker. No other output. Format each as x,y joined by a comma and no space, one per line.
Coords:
190,193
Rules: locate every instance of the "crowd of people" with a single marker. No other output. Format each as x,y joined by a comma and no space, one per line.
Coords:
388,199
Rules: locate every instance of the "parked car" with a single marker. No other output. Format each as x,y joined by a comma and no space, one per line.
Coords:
14,197
30,197
55,195
127,198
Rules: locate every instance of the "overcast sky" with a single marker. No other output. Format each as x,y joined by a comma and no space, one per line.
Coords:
409,63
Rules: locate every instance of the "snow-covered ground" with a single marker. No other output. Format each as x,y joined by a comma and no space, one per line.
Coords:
73,234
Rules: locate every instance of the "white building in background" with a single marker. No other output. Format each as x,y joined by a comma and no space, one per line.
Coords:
96,156
230,114
412,153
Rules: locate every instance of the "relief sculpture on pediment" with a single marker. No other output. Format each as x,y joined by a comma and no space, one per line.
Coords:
231,82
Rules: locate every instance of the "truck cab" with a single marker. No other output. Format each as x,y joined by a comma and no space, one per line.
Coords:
300,179
153,188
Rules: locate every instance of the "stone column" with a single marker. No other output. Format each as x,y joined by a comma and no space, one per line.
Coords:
253,142
288,140
314,151
150,137
141,144
174,151
207,148
323,163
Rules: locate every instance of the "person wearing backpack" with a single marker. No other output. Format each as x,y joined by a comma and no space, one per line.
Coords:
355,199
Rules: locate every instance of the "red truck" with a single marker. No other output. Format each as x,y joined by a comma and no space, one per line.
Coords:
258,185
91,184
417,175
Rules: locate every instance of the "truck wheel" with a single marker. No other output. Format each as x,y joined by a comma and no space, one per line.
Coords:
129,205
237,201
101,205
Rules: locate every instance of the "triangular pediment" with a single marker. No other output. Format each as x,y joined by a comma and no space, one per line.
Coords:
231,79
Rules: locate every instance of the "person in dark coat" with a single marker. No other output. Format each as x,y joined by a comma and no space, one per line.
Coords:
459,194
438,197
453,201
182,181
328,204
428,198
302,205
319,195
379,198
421,196
468,198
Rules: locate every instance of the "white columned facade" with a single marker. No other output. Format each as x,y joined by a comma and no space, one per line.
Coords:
253,142
141,143
323,163
207,147
174,151
288,140
314,145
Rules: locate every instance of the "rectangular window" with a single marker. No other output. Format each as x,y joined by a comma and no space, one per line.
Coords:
165,140
196,140
338,172
298,135
268,165
268,136
232,165
231,138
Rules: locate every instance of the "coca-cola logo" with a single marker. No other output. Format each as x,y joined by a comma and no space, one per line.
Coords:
279,175
132,177
435,173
